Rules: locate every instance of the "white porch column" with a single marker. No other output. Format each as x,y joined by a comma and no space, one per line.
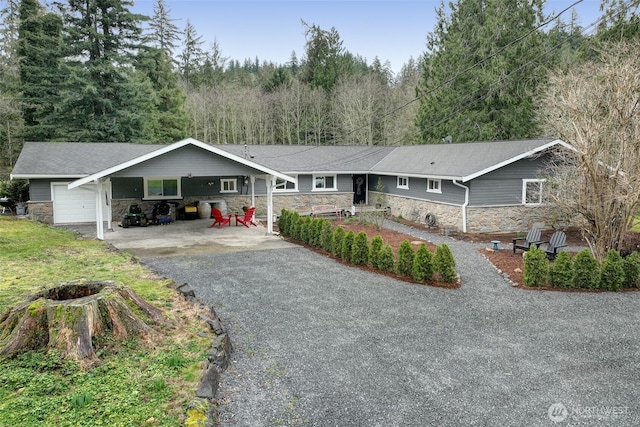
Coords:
271,183
253,192
100,195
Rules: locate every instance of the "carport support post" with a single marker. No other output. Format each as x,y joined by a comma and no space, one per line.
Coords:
271,183
253,192
99,211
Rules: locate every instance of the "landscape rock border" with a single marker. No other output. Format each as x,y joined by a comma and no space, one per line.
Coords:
201,411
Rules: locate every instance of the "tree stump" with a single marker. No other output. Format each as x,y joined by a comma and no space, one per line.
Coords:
73,315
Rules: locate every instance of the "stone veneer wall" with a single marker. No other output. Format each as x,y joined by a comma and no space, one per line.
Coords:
41,211
480,219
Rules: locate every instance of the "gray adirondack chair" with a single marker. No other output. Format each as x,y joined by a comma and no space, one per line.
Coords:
557,241
533,237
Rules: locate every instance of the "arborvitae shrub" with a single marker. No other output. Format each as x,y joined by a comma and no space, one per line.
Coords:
347,246
296,225
631,266
326,235
360,250
374,250
386,260
561,271
535,268
444,264
405,258
586,270
316,229
307,232
336,240
283,220
422,264
612,273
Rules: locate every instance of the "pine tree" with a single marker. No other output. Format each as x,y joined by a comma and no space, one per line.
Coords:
479,72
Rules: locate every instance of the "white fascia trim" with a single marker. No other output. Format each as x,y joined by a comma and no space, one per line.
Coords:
36,176
172,147
515,159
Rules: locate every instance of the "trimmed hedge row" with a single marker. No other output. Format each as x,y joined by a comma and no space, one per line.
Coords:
421,264
583,271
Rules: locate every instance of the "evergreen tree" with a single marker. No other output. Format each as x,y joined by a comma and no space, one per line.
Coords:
191,57
444,264
39,52
169,121
612,272
360,250
561,271
478,76
406,255
102,98
386,260
374,250
620,20
347,246
586,270
164,33
323,57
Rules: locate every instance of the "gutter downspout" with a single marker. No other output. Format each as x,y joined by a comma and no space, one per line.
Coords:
464,205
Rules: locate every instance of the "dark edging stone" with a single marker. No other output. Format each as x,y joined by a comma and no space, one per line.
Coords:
201,411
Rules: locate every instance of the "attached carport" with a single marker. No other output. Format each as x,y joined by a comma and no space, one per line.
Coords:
99,182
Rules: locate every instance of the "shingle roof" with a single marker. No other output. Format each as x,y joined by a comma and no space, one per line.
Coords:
455,161
73,159
312,158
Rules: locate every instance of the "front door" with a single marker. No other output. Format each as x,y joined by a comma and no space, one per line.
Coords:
359,189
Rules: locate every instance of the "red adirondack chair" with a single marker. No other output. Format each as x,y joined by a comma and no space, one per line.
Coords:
219,218
247,218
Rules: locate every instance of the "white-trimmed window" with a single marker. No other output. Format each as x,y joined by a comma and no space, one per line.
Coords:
403,182
162,188
532,191
284,185
433,186
324,182
229,185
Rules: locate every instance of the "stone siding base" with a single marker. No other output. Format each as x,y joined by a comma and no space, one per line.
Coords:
495,219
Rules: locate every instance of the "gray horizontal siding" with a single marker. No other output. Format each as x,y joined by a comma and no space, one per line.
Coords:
418,189
184,161
504,186
40,190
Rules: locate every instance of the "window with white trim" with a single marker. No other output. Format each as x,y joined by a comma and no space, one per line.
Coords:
229,185
433,186
283,185
324,182
403,182
162,188
532,191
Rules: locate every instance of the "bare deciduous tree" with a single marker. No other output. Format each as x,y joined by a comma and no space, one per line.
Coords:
596,109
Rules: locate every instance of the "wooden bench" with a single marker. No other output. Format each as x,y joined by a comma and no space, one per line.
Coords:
326,210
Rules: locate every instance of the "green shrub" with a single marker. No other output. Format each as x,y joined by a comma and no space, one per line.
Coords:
422,269
374,250
347,246
386,260
444,264
561,271
326,235
535,268
405,259
316,230
296,226
586,270
631,267
360,250
284,222
336,241
305,229
612,272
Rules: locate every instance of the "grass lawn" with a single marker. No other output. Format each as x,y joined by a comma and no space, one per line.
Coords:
137,383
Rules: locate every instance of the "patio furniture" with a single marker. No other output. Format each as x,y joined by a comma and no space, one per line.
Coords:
247,218
558,240
219,218
533,237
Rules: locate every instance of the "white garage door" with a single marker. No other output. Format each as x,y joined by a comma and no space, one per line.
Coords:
73,206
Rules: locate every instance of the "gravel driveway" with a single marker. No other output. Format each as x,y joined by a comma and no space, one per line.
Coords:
318,343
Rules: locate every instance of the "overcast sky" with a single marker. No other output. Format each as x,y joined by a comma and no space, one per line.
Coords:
271,30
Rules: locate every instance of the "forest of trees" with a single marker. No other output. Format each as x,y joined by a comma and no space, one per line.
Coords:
95,71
